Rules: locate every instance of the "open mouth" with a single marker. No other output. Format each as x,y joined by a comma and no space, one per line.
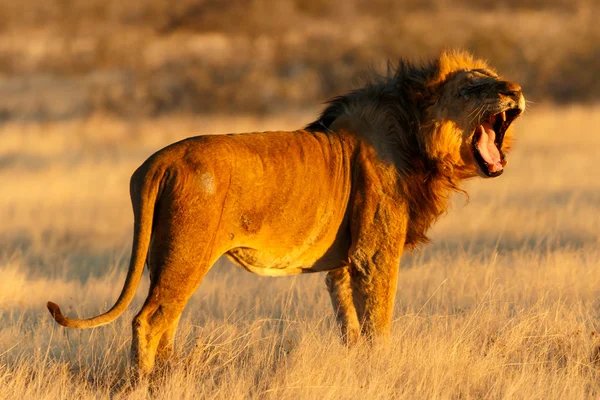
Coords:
487,141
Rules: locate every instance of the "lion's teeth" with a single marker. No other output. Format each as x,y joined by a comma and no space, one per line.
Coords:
503,116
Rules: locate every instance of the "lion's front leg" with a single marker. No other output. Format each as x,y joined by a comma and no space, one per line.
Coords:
374,282
378,229
340,289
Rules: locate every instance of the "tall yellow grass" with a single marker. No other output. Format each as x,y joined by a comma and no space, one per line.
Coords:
501,305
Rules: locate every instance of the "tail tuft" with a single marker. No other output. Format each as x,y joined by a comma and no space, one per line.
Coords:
56,313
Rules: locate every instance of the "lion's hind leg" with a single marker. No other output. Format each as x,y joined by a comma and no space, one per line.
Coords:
175,274
340,289
149,326
166,345
184,246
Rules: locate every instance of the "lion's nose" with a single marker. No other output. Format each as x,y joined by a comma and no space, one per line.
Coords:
511,89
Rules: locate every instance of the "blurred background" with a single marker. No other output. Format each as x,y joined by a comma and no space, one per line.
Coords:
68,59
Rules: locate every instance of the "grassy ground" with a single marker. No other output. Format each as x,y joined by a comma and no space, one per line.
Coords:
501,305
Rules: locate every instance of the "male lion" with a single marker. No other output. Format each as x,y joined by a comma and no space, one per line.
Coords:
345,195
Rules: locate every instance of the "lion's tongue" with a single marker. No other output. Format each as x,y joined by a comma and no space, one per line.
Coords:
487,148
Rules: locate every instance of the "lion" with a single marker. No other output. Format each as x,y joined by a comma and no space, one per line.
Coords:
345,195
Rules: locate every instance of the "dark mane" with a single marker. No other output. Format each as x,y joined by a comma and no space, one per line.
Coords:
404,97
394,92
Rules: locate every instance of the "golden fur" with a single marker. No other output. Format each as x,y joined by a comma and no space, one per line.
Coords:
344,196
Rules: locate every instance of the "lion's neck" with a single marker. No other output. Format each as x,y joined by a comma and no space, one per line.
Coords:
426,184
390,122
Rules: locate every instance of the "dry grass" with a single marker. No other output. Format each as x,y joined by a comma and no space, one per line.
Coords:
500,306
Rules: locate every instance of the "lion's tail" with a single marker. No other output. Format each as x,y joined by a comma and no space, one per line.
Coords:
144,189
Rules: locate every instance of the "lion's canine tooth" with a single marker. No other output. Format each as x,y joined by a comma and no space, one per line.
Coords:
503,116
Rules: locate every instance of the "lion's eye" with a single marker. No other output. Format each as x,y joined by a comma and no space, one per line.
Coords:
464,94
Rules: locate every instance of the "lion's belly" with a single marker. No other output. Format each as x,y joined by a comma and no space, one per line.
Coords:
275,263
263,263
318,242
